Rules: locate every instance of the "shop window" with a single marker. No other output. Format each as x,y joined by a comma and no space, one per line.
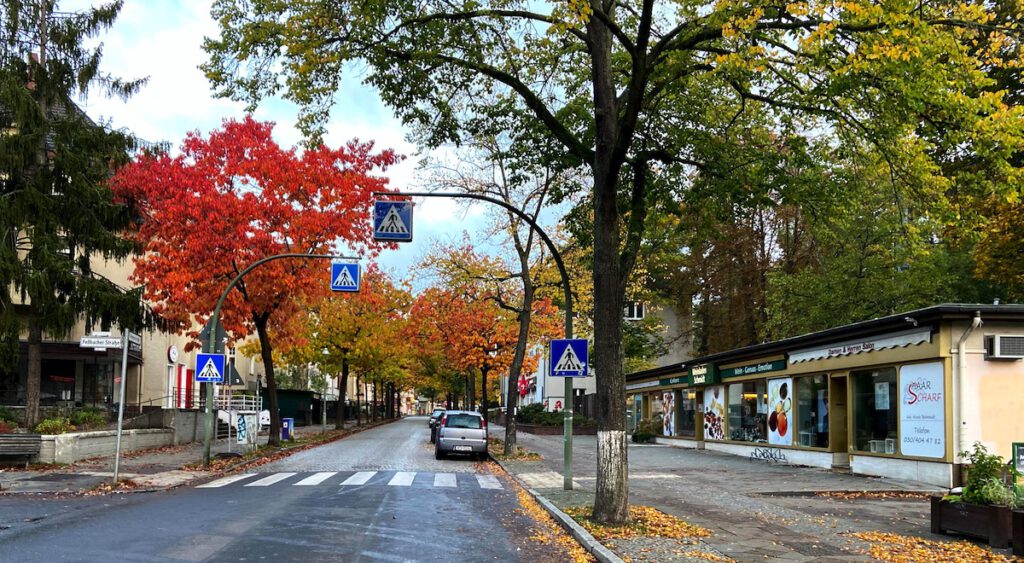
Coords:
687,401
668,412
874,410
748,409
812,408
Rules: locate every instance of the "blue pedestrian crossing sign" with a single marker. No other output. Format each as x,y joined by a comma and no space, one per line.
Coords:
209,368
568,358
392,221
345,276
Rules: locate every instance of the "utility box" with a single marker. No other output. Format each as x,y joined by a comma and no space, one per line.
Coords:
287,428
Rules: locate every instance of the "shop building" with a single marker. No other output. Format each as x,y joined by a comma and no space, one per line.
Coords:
898,397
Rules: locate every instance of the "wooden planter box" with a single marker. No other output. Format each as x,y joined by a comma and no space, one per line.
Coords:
993,524
1018,532
555,430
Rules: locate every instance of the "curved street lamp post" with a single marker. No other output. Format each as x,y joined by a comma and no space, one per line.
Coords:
209,345
568,410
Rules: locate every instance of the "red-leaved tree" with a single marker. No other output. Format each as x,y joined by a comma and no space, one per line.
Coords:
232,198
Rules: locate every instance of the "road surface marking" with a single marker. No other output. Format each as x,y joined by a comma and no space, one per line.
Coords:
402,479
359,478
226,481
267,481
316,478
444,480
488,482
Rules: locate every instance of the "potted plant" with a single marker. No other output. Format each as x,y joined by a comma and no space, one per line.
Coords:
984,508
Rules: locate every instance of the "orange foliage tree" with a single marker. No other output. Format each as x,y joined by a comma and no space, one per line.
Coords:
232,198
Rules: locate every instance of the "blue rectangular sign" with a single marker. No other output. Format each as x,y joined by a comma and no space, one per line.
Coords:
392,221
568,358
345,276
209,368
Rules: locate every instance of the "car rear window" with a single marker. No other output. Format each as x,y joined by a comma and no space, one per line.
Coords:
437,412
463,421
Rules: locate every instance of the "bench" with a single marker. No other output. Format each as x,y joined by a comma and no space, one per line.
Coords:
20,445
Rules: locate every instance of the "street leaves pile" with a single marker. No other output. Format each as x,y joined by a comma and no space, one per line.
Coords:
874,495
549,532
106,488
496,446
896,548
645,521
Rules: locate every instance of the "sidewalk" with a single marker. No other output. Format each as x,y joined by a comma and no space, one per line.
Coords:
152,469
755,511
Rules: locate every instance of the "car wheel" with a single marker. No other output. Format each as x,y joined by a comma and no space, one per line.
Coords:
438,454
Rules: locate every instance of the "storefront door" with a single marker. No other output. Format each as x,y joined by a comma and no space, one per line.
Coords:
838,431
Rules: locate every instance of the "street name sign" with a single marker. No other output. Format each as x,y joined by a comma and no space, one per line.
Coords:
568,358
392,221
209,368
345,276
100,342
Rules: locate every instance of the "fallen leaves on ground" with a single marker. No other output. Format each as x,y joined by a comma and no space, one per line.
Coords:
107,488
645,521
159,450
496,446
549,532
872,495
896,548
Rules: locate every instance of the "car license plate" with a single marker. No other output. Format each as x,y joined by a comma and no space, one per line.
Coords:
463,449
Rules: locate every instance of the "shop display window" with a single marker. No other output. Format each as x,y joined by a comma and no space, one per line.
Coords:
748,411
812,408
687,401
874,410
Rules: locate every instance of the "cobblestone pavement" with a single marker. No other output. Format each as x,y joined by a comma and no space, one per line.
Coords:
755,511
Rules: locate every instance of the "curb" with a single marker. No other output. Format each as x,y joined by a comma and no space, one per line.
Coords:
579,533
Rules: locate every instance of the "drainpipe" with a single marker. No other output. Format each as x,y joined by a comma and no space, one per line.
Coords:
961,383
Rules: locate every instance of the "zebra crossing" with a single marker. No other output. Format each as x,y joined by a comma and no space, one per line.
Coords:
359,478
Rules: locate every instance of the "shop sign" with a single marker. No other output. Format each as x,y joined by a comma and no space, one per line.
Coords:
752,369
923,410
704,374
892,340
678,380
644,385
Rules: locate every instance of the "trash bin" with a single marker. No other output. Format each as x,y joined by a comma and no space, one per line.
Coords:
287,427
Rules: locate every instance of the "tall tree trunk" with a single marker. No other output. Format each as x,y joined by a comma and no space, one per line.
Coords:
373,405
483,391
359,408
339,422
516,369
35,372
266,353
611,501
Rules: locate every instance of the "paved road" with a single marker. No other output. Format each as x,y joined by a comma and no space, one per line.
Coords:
376,496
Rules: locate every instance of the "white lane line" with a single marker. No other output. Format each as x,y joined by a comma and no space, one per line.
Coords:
226,481
444,480
316,478
402,479
359,478
488,482
270,480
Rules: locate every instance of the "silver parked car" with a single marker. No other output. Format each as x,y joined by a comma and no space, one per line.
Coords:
461,432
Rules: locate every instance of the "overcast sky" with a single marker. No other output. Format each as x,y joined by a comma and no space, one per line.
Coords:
162,40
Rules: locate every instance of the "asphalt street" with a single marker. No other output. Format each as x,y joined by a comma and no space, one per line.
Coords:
376,496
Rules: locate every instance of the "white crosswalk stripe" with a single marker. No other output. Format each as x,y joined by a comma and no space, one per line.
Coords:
268,481
226,481
488,482
402,479
316,478
359,478
444,480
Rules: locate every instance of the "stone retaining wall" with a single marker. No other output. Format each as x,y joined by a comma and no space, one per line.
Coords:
76,446
543,430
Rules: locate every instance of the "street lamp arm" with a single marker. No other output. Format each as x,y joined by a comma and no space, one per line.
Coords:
529,220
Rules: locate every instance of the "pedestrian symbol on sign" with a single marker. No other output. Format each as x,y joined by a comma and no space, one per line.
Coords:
210,368
393,223
345,276
569,361
344,279
209,371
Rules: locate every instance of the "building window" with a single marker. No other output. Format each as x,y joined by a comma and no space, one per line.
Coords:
812,408
687,400
748,409
634,311
874,410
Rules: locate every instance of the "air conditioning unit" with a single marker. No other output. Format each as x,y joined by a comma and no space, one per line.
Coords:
1004,347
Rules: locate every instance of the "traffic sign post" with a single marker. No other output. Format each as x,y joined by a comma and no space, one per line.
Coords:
129,340
345,276
392,221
